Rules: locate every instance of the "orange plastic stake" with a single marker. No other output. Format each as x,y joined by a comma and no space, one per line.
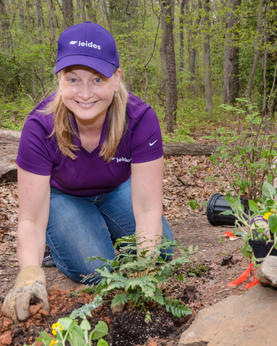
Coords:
253,283
229,234
242,277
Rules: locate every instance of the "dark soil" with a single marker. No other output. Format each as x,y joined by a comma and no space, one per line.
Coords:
217,262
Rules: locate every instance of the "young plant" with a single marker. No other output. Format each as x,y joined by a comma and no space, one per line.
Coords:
67,331
258,222
247,150
138,278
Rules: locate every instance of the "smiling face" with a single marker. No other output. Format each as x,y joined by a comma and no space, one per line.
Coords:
87,94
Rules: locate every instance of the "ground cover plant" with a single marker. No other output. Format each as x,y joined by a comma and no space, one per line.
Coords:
138,279
67,330
133,280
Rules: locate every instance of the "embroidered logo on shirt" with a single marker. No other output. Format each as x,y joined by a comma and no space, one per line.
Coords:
121,159
152,143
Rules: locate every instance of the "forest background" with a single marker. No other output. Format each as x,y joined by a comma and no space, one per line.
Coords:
184,57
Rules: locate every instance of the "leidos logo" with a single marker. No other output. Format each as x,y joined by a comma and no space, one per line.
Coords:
85,44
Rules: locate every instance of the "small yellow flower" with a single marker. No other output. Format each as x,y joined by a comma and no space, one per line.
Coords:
266,215
56,327
53,342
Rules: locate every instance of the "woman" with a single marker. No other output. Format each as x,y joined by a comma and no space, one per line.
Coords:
90,168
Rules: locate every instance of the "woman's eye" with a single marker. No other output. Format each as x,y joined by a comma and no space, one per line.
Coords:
73,80
97,80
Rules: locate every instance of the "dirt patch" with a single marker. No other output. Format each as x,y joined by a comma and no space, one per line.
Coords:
217,262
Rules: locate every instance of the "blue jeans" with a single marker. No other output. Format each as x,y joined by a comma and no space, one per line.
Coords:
80,227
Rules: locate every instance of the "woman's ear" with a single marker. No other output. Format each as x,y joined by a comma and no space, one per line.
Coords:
117,77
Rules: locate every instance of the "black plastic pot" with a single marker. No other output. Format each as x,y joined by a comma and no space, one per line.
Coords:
216,205
261,248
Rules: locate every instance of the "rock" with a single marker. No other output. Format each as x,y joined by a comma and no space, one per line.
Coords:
237,320
267,272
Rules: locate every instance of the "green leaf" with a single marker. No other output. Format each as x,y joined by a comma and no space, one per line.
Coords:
272,222
119,299
227,212
253,206
76,336
86,309
67,323
246,250
100,330
85,325
268,190
158,297
102,342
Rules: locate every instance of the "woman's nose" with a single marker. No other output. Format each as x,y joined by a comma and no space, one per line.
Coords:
86,91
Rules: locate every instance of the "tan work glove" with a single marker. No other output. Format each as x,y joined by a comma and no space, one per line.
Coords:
30,284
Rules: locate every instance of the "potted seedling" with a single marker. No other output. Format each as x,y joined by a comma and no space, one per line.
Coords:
257,224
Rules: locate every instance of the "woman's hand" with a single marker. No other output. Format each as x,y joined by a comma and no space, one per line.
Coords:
29,286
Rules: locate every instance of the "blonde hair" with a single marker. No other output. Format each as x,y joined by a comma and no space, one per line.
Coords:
64,125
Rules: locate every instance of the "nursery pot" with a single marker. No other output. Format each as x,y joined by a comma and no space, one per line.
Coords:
261,248
217,204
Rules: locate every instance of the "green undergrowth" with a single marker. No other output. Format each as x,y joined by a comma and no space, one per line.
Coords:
138,279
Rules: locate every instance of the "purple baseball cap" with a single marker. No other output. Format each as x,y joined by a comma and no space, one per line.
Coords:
87,44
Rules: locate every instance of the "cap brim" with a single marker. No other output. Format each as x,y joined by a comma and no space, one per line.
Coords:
101,66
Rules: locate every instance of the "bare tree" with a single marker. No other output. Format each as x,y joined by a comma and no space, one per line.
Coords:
256,44
231,56
108,17
68,13
39,18
91,11
6,37
192,38
168,61
52,21
181,35
207,59
21,15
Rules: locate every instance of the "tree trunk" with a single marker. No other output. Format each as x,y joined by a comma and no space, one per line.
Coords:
68,13
169,65
207,59
6,37
181,28
192,40
231,57
21,15
52,25
108,17
256,50
91,12
39,18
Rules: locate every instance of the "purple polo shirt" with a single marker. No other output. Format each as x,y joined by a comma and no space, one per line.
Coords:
89,174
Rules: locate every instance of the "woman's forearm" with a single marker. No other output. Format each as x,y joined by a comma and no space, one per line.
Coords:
30,244
149,229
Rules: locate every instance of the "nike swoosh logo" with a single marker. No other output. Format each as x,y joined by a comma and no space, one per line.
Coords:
151,144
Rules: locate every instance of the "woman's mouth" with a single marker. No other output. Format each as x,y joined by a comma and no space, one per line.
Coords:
86,104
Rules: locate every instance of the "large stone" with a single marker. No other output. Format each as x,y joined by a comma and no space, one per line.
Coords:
246,320
267,272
